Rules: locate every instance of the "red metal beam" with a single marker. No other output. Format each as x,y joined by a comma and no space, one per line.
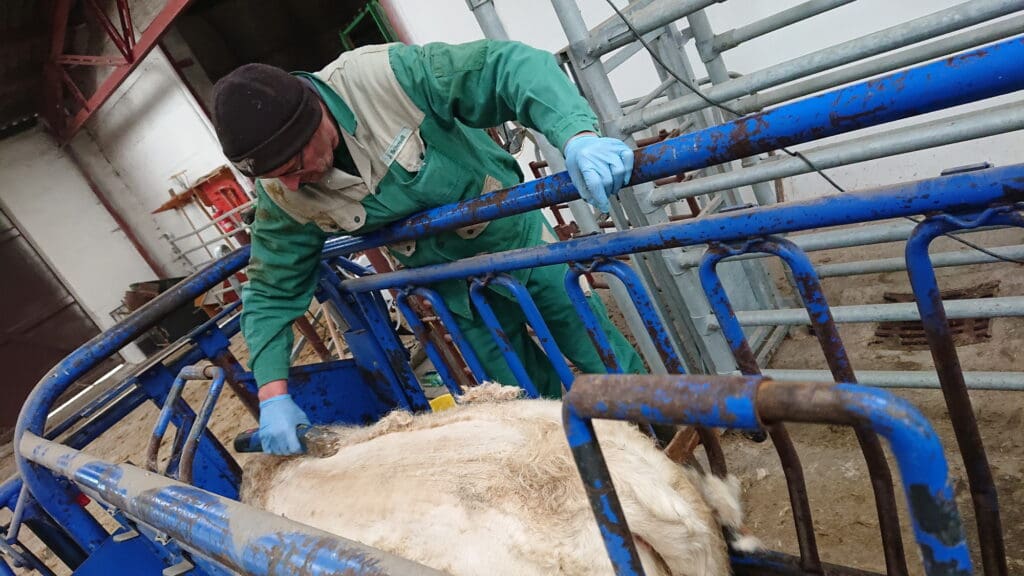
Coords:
126,22
53,88
75,92
108,27
149,39
87,60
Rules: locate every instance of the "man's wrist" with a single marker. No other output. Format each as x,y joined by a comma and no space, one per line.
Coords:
273,388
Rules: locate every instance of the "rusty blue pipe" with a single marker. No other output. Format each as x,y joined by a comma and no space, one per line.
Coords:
957,192
56,498
743,402
978,74
235,536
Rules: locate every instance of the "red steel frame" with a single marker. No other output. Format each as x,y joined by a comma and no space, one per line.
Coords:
66,123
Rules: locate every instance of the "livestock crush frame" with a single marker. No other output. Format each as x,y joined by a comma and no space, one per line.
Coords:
185,519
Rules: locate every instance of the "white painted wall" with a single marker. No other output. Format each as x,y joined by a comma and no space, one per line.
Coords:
534,22
52,204
149,138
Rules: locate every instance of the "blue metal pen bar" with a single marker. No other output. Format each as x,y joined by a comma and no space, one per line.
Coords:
747,403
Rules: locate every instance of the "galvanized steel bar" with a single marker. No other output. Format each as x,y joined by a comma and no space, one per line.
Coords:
969,126
934,318
627,208
907,379
949,45
964,257
895,231
214,221
743,403
1007,306
613,33
487,18
733,38
924,28
18,514
944,193
236,536
477,295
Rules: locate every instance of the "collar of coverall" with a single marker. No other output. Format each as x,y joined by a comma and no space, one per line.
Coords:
338,108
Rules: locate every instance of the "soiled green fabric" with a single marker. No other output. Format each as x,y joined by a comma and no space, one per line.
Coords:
461,89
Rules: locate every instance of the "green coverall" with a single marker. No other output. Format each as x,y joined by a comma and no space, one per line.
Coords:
461,89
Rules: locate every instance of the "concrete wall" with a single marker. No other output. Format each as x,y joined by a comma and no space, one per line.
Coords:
150,138
534,22
51,202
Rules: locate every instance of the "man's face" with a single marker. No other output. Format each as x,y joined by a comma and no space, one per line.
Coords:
315,158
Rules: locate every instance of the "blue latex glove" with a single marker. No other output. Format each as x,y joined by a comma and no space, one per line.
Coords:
278,418
598,167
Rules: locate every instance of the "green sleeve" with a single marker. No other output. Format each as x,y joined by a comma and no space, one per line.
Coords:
282,278
487,82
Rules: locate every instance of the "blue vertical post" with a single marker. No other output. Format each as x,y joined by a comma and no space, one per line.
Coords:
477,291
436,358
947,364
452,326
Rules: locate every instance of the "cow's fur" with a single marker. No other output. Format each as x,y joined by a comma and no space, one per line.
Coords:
490,487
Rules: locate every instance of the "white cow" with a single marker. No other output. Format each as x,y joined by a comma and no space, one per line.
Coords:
490,487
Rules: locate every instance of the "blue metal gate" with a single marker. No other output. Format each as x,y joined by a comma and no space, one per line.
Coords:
178,524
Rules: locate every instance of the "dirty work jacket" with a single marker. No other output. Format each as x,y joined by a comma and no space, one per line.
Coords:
411,117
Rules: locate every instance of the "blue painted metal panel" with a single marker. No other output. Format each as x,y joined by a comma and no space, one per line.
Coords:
112,557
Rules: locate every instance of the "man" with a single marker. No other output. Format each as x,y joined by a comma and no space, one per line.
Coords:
387,131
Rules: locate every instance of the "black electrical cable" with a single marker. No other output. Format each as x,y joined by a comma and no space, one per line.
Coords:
794,154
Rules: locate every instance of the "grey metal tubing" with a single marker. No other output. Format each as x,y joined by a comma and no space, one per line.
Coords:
704,37
597,88
213,222
613,34
236,536
917,30
950,45
909,379
19,513
488,19
493,28
941,260
650,97
630,50
1008,306
895,231
968,126
213,240
736,36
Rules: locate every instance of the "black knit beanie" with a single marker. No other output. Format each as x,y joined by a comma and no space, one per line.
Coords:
263,116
